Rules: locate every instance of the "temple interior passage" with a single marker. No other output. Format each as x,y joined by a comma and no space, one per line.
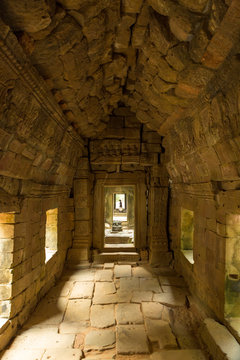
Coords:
120,179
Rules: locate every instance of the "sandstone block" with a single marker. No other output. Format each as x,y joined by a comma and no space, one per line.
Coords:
131,339
100,339
78,310
129,314
102,316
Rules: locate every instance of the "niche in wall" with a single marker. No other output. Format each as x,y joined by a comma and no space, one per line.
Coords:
232,280
187,233
51,233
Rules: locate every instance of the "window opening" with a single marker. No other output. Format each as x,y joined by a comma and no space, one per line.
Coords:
51,234
187,233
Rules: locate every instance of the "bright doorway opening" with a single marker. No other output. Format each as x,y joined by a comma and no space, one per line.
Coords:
119,217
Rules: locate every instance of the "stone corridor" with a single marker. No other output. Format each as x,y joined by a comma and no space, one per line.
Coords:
109,311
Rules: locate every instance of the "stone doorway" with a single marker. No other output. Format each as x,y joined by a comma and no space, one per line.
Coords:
119,218
128,239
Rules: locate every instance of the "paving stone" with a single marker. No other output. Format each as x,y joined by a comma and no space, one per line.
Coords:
48,312
36,338
63,289
104,275
152,310
105,299
80,275
122,271
139,296
172,299
104,288
172,281
178,355
124,296
102,316
20,354
129,284
62,354
132,339
70,327
78,310
82,290
129,314
150,285
141,272
108,265
159,330
100,339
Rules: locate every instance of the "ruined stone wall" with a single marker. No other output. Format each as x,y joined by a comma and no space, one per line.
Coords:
38,158
202,155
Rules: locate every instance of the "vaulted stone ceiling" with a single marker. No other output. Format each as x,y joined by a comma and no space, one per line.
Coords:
155,56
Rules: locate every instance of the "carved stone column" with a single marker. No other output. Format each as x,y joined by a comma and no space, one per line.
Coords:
157,217
82,240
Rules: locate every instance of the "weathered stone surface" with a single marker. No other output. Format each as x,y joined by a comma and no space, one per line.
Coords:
62,355
78,310
104,275
82,290
150,285
178,355
131,339
140,296
100,339
141,272
121,271
152,310
102,299
25,354
172,299
129,284
159,330
102,316
129,314
104,288
219,340
70,327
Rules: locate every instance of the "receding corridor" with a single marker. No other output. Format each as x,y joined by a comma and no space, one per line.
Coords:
111,312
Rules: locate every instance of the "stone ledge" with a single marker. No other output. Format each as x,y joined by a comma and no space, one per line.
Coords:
220,342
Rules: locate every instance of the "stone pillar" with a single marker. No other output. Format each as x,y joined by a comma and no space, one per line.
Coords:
80,252
157,217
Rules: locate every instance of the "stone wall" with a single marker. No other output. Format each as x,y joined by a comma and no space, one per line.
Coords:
39,153
202,156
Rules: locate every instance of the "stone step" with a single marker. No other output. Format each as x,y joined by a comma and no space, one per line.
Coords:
106,257
119,248
220,342
117,240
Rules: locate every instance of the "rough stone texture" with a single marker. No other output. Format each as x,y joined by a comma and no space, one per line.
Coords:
178,355
102,316
121,271
131,340
82,290
100,339
78,310
219,340
69,70
62,355
152,310
159,330
129,314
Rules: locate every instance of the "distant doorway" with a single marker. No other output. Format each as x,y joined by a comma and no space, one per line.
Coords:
119,216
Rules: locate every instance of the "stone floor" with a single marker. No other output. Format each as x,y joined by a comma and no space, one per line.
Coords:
110,312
